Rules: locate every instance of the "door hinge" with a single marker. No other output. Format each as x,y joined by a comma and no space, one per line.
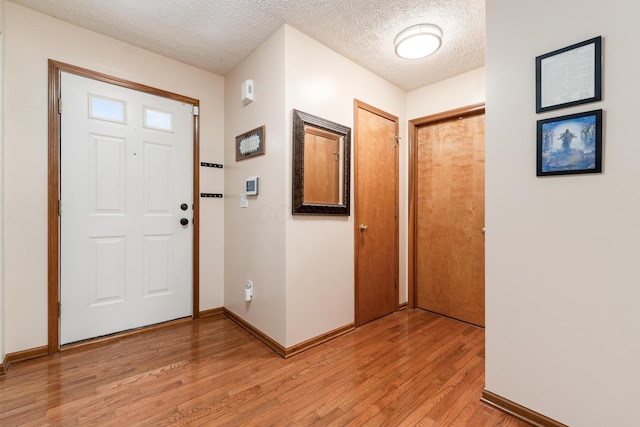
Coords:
59,105
196,110
59,309
395,212
396,141
59,207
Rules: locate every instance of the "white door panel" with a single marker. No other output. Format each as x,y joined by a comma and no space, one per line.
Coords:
126,167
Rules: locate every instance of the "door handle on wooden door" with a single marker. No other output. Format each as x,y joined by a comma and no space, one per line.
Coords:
363,227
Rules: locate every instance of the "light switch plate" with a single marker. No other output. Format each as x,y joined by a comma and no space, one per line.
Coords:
244,202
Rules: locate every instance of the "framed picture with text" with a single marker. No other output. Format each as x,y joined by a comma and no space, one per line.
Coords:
569,76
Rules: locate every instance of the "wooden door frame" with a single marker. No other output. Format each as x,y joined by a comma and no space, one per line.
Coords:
55,70
458,113
357,105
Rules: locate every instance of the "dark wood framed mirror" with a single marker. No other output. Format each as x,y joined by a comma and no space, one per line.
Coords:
321,166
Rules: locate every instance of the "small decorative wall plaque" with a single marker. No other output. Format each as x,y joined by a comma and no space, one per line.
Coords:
250,144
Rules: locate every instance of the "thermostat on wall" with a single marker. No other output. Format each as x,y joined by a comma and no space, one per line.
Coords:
251,186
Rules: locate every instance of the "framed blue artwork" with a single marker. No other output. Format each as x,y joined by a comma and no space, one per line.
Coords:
570,144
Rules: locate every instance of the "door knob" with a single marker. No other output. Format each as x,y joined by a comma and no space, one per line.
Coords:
184,221
184,206
364,227
484,230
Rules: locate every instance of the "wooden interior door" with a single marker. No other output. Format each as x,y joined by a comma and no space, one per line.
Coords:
376,213
449,216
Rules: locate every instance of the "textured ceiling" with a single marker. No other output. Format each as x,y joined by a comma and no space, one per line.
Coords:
216,35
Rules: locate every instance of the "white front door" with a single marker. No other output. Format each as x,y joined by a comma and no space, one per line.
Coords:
125,184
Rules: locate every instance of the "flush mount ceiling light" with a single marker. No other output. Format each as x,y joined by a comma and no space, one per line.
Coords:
418,41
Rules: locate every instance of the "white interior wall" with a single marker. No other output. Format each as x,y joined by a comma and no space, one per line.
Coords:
562,278
2,353
31,39
255,236
456,92
320,249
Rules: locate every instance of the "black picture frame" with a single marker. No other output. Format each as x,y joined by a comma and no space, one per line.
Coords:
570,144
569,76
250,144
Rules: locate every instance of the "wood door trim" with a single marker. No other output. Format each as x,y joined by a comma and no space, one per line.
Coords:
458,113
361,105
53,257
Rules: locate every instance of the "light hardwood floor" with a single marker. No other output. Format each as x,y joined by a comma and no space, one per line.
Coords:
409,368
